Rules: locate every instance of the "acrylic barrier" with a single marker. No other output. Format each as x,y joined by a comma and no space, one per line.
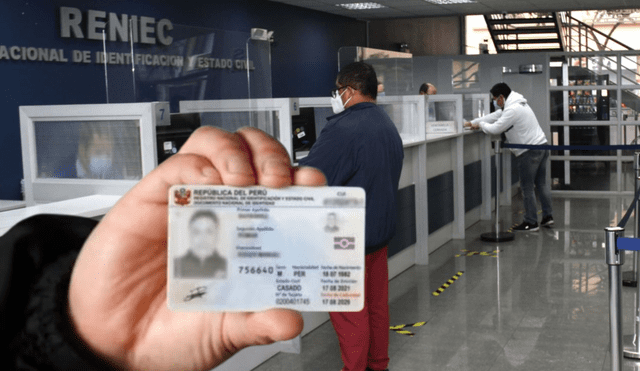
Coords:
394,69
273,116
407,113
444,114
71,151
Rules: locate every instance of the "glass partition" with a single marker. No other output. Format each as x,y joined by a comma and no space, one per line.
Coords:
88,149
394,69
475,106
193,63
406,112
273,116
594,100
71,151
444,114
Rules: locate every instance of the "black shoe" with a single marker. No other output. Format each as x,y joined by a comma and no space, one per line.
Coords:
526,227
547,220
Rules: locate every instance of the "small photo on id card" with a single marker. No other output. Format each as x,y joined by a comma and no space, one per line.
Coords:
255,248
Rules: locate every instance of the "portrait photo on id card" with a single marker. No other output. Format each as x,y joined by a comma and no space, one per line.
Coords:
202,255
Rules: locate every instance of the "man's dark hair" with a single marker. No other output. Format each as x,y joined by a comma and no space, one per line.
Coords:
501,89
204,214
424,88
361,77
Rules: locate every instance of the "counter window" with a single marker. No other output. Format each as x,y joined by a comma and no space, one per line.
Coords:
88,149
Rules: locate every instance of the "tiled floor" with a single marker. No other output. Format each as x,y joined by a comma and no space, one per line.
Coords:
541,304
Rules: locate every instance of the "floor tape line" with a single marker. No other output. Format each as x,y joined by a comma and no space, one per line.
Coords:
480,253
446,285
400,328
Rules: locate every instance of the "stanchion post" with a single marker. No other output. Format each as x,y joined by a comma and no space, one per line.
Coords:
496,235
630,278
497,147
632,343
614,260
636,231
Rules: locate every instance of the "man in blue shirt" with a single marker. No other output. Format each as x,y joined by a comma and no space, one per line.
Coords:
360,147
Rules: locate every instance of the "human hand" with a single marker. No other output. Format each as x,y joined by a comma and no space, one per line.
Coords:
471,126
118,288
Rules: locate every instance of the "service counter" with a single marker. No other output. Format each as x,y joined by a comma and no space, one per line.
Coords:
445,183
94,206
6,205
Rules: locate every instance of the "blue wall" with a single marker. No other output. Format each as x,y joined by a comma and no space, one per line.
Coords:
303,56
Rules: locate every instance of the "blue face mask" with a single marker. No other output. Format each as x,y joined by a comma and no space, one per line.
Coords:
99,166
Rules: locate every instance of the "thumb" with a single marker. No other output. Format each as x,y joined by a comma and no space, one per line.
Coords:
261,328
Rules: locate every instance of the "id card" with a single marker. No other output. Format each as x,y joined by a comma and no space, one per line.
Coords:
255,248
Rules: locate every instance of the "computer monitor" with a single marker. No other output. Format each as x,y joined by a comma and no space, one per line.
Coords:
171,138
71,151
303,135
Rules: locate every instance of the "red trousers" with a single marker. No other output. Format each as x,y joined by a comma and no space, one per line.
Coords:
364,335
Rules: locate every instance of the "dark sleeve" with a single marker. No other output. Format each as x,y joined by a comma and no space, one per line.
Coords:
36,259
48,340
332,154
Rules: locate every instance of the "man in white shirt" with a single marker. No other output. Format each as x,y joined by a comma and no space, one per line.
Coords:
519,124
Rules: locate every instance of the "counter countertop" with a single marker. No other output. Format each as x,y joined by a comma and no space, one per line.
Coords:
89,206
6,205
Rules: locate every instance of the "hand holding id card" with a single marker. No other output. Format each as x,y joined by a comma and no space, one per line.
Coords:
255,248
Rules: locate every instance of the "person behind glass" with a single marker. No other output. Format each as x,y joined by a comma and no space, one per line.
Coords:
95,153
360,147
515,118
381,92
202,259
428,89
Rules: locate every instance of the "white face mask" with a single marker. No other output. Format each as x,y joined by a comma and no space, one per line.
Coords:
336,103
496,105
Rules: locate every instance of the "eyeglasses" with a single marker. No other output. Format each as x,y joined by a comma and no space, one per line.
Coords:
336,92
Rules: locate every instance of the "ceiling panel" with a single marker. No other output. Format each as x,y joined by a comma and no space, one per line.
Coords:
420,8
428,11
477,8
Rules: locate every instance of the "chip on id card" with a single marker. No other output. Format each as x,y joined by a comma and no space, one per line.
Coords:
255,248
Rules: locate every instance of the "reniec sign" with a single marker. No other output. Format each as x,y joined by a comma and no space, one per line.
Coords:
144,30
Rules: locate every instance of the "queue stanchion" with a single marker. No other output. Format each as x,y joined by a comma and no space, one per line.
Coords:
615,258
632,342
630,278
496,235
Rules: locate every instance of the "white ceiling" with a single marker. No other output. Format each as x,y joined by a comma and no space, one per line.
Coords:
421,8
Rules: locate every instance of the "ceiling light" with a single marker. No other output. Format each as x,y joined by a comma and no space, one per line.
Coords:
361,6
446,2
